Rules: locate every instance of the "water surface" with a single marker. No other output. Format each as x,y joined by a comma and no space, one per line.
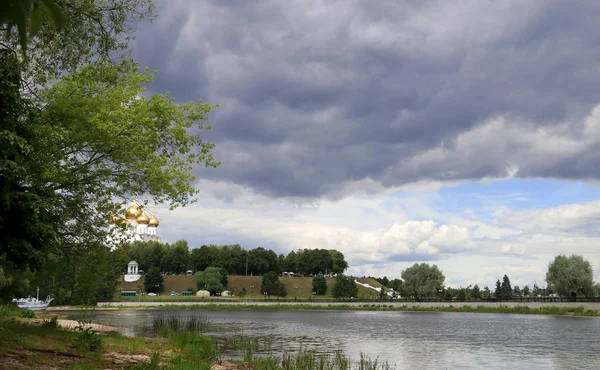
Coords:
407,340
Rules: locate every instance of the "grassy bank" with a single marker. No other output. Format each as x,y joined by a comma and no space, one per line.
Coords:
300,287
546,310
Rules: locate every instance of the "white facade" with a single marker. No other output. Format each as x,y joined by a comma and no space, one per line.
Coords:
136,226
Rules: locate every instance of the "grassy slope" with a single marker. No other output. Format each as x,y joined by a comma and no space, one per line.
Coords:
296,286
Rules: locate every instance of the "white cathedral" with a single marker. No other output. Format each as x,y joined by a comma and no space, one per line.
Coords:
138,226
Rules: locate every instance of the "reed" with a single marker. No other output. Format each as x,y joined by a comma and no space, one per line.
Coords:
310,360
164,325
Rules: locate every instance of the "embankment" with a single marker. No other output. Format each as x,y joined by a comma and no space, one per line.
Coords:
551,308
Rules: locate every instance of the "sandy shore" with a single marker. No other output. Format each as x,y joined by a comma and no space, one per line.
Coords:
72,324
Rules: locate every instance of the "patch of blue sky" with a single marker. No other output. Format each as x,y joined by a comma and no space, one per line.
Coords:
484,200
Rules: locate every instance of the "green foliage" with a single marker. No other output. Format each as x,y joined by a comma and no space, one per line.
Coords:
526,291
498,291
213,279
88,340
571,276
27,314
153,281
461,295
83,276
486,292
319,285
272,286
261,261
423,281
398,286
242,292
506,291
51,323
516,291
476,292
26,16
344,287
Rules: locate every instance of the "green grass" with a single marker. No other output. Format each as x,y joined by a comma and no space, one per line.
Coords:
300,287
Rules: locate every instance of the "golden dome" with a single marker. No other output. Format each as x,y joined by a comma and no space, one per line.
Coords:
114,220
153,222
143,219
133,211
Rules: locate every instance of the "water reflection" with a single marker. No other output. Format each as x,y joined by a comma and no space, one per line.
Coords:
409,340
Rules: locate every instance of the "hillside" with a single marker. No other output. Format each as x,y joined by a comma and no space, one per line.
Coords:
296,286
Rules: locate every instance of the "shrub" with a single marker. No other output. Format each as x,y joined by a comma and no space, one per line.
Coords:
27,314
88,339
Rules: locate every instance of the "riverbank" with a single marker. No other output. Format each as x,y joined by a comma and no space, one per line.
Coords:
533,308
42,342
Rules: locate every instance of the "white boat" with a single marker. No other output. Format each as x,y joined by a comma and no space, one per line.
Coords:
33,304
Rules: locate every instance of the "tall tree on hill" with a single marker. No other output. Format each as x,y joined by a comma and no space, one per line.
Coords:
319,285
153,281
213,279
290,264
344,287
272,286
261,261
339,264
177,257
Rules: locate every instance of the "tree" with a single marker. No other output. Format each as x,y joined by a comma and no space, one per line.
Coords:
84,276
213,279
486,292
476,292
177,257
422,280
339,264
319,285
398,287
382,293
505,288
290,263
570,276
261,261
153,281
69,35
516,291
526,291
461,295
272,286
344,287
498,290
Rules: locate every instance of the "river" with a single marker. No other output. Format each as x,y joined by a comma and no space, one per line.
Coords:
406,340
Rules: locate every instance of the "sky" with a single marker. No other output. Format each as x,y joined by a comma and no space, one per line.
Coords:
459,133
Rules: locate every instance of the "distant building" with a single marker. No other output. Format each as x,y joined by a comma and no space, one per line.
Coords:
138,226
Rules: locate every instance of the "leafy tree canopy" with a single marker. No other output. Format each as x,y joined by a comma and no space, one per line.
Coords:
571,276
153,281
344,287
319,285
213,279
272,286
422,280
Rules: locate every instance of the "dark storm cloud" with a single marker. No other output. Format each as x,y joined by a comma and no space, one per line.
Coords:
318,94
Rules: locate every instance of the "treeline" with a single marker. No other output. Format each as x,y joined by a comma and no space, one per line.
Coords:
178,258
567,276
